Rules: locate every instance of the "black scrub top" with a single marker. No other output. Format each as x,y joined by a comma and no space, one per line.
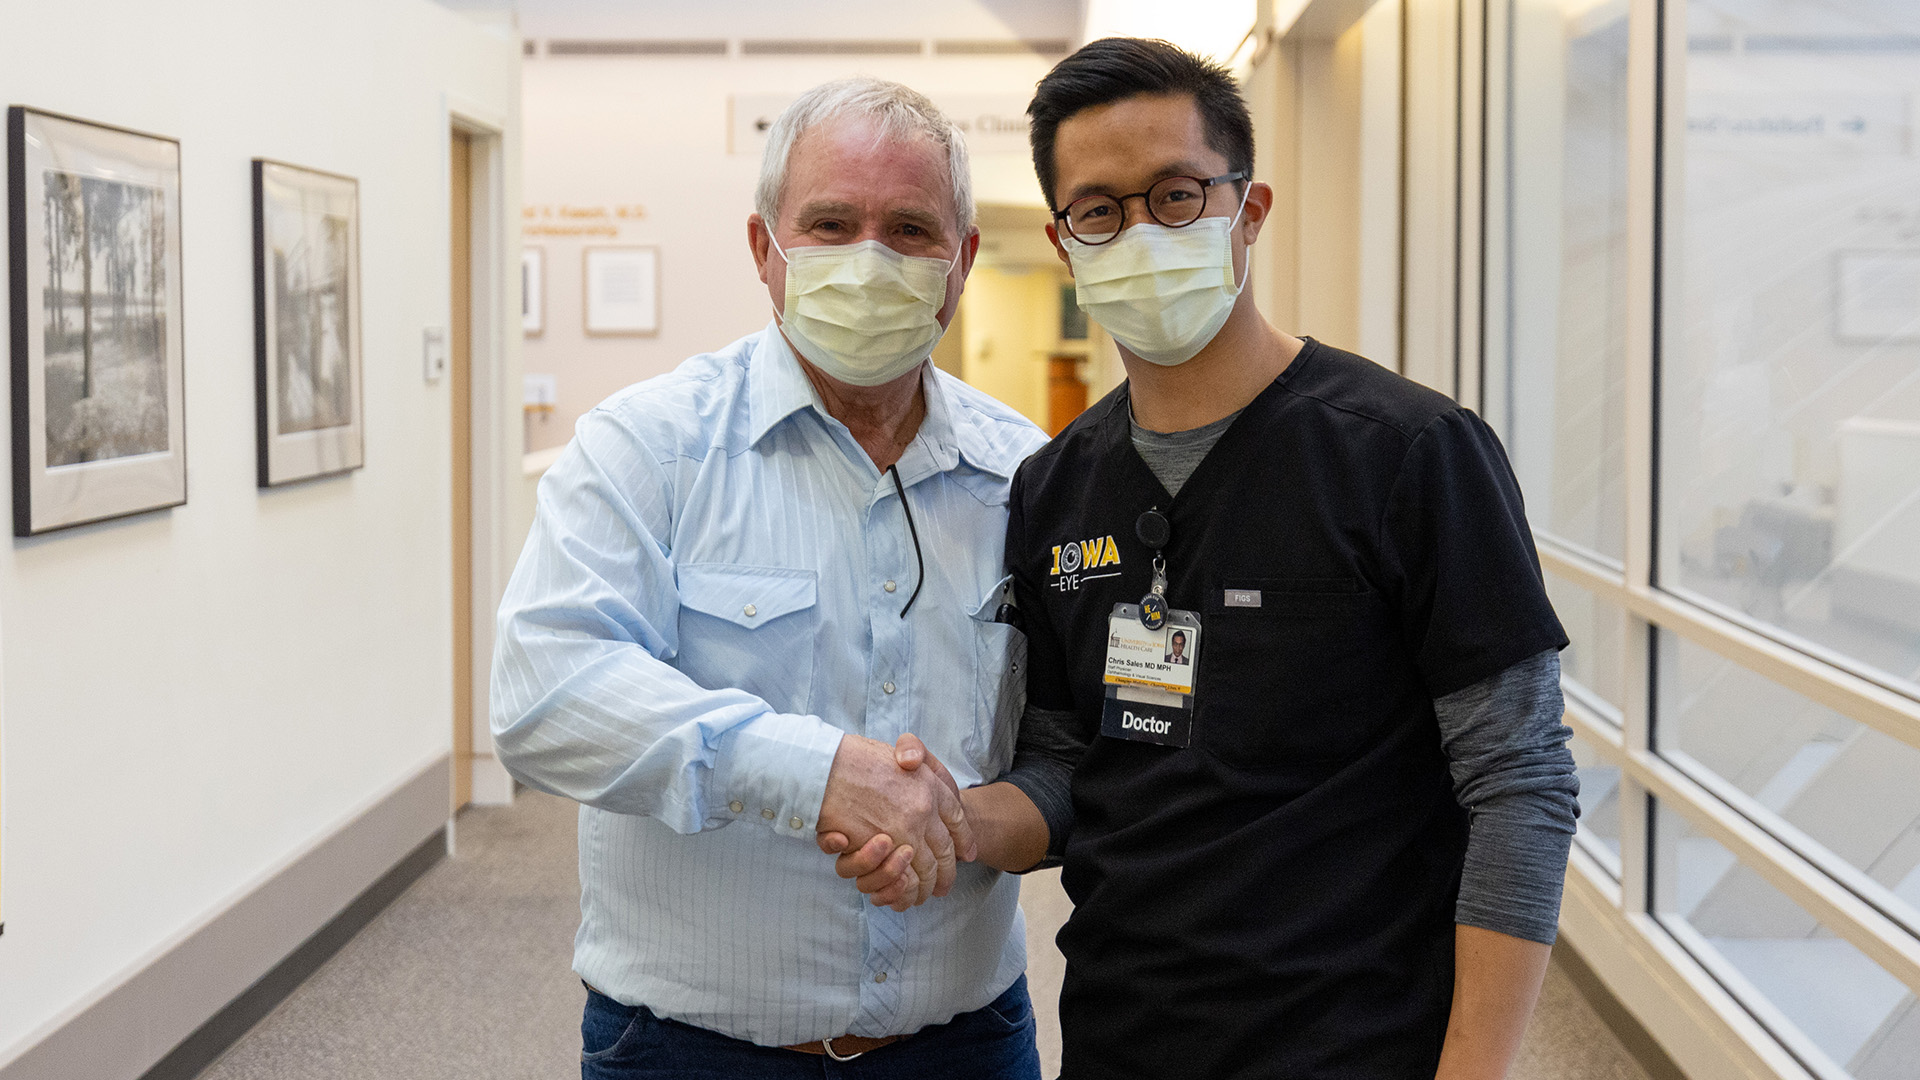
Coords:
1276,900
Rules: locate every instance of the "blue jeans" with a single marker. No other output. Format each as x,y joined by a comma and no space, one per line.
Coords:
628,1042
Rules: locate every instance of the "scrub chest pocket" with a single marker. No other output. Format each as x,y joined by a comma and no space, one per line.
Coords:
1292,670
751,627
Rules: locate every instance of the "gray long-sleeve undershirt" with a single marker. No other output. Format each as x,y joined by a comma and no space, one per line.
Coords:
1505,747
1507,750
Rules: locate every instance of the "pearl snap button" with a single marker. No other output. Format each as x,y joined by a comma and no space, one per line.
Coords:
767,813
887,686
736,806
880,978
750,611
890,586
794,823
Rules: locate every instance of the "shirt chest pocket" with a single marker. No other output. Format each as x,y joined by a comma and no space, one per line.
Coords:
1000,683
1294,670
752,628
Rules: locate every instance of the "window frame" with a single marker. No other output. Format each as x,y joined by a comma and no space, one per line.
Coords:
1835,892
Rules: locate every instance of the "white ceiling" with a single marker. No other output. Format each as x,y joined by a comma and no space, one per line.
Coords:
894,19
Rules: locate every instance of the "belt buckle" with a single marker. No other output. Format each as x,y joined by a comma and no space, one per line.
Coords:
827,1045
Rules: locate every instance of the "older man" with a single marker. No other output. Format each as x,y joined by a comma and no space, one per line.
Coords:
747,580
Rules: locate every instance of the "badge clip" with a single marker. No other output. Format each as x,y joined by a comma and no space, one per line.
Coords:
1153,606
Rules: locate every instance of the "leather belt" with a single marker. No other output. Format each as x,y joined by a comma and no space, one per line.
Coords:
845,1047
851,1046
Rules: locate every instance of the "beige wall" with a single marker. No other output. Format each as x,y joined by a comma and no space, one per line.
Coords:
196,698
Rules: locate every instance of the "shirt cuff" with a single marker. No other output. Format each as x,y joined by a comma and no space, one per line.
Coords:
773,770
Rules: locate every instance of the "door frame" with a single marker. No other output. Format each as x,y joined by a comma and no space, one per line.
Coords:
495,436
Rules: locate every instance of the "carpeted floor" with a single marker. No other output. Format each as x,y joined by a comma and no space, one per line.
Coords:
466,977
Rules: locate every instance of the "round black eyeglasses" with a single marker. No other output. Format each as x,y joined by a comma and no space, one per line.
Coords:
1173,202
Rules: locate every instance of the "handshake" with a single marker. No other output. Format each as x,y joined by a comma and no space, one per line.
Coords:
893,815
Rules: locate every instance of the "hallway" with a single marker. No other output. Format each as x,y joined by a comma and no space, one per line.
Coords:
466,975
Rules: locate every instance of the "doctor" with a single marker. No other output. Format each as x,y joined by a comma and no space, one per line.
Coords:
1338,851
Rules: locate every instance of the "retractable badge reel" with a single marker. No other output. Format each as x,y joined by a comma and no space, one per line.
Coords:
1153,650
1153,531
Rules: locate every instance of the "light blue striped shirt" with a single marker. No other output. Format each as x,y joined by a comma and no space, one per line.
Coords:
710,597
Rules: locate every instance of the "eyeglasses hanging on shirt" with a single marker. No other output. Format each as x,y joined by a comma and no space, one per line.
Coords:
913,532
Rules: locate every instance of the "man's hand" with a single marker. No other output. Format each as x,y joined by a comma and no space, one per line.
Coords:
907,820
879,868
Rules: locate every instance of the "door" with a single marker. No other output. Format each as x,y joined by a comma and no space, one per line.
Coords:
1066,391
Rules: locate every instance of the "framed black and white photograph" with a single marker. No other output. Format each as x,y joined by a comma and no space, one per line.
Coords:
622,288
306,301
99,426
533,291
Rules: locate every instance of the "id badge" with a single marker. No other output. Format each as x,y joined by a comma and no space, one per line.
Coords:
1149,677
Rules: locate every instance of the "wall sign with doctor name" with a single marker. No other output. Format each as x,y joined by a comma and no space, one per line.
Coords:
992,123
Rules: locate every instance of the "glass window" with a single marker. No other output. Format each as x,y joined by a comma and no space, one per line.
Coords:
1593,663
1786,966
1790,375
1599,804
1564,386
1849,787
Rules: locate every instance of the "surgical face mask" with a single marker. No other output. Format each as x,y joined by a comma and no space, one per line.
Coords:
863,313
1162,292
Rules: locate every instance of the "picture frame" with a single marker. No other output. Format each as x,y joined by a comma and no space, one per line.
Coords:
98,349
621,290
308,372
533,291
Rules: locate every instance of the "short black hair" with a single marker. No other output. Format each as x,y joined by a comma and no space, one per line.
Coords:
1111,69
1179,635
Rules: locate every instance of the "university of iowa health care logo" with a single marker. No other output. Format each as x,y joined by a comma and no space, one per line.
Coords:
1076,562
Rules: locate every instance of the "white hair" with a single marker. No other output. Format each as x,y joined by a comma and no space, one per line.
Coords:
897,112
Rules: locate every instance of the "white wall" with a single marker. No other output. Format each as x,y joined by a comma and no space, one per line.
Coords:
1325,98
652,132
193,697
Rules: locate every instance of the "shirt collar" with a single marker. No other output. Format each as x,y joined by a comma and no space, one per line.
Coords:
950,433
776,387
956,433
